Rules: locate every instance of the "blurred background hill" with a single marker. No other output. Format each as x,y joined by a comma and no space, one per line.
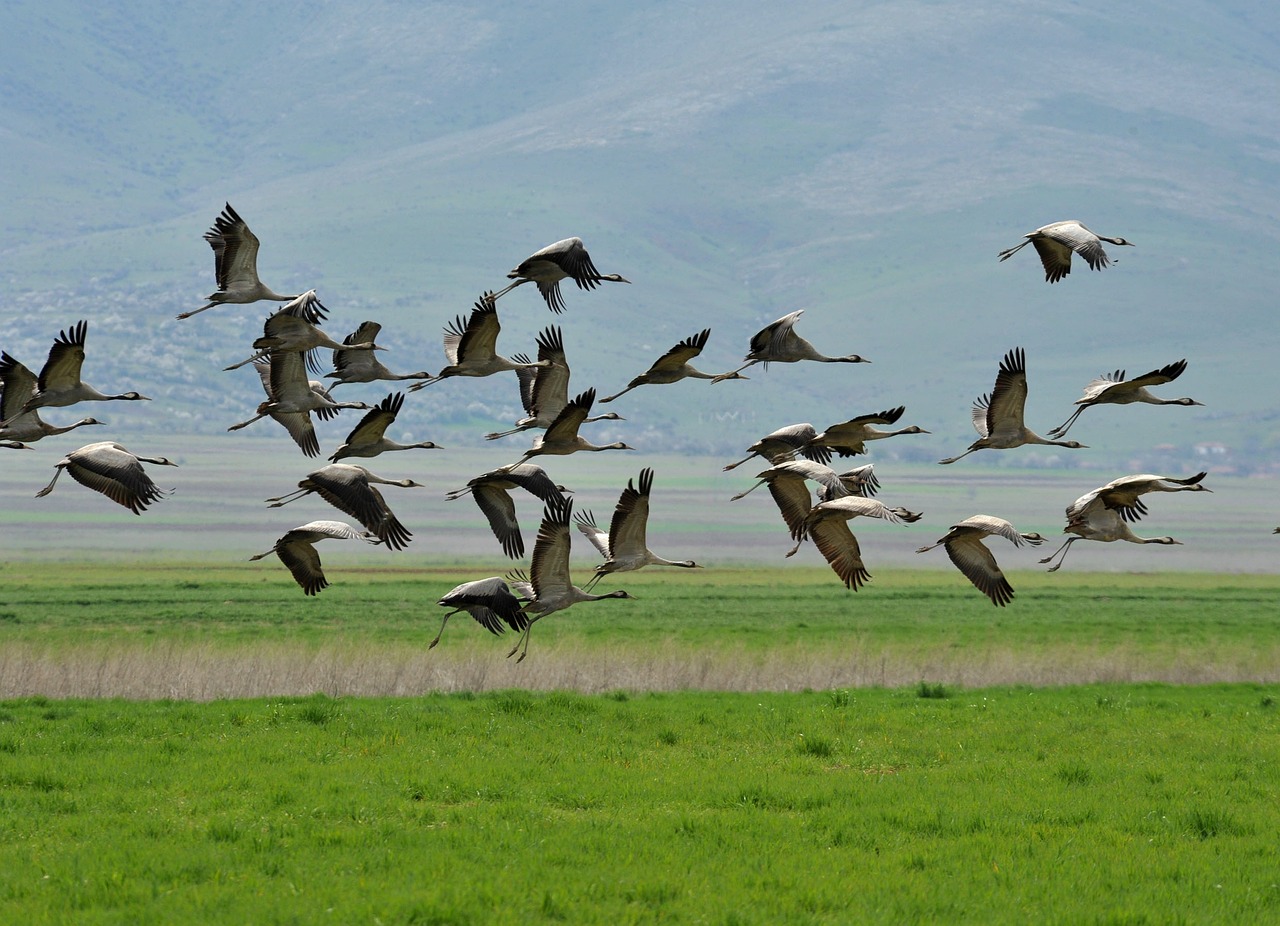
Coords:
735,161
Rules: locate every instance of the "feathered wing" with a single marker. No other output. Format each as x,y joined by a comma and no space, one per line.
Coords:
66,357
303,562
500,510
1164,374
1008,397
373,426
681,353
355,359
550,563
235,249
17,385
840,547
478,338
363,502
979,566
588,527
793,499
628,528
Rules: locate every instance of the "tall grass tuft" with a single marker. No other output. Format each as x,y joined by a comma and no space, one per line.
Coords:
1207,823
816,746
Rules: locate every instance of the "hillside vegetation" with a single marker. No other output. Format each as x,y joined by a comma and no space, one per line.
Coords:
734,161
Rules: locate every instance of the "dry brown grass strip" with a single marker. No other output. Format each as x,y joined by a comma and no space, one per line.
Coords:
202,672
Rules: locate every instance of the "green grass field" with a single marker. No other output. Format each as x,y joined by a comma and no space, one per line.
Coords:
202,743
1100,804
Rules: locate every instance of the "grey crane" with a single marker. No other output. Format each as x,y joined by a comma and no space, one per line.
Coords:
564,259
59,383
297,550
17,385
235,264
1114,389
291,398
492,493
998,417
553,589
471,346
1057,241
828,526
353,363
369,437
970,555
350,489
544,390
490,601
849,438
861,480
674,366
562,436
109,468
777,342
783,444
293,328
1104,514
625,546
787,484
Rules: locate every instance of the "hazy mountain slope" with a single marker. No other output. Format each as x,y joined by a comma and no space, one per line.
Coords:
735,161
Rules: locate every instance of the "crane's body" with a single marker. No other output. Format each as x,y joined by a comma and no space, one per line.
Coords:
1114,389
109,468
297,550
777,342
566,259
353,490
998,417
1057,241
1104,514
235,265
625,546
965,548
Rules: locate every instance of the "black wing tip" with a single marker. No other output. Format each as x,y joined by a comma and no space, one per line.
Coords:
74,335
557,510
698,340
1015,361
551,339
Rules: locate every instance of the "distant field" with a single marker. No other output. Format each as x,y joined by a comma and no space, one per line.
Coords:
245,630
217,512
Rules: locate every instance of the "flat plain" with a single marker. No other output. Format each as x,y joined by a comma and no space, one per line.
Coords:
197,741
200,631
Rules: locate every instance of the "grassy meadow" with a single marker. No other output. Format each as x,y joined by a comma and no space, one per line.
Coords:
200,742
1099,804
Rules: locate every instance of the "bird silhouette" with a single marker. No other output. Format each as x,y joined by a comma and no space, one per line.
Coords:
109,468
564,259
297,550
1057,241
970,555
235,264
998,418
